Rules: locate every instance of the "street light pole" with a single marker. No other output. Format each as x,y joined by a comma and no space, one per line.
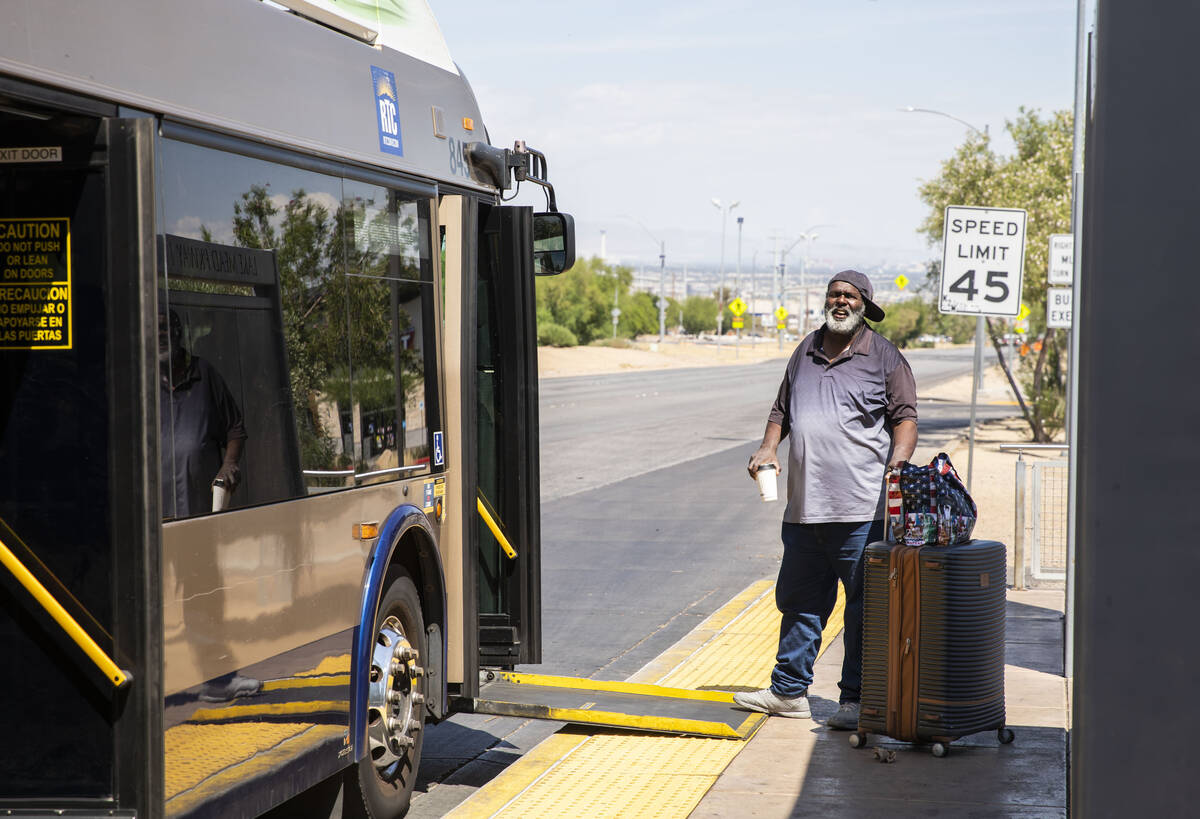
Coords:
737,285
808,239
805,237
662,291
978,383
753,290
721,293
662,279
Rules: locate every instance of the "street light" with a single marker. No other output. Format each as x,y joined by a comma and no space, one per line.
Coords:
977,382
662,279
808,235
721,294
912,110
737,280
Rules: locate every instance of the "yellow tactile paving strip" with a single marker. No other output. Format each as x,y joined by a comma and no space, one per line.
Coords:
604,773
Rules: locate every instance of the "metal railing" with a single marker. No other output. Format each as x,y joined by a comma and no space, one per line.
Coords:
1045,540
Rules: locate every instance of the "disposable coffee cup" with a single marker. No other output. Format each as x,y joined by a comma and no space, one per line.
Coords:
220,495
768,483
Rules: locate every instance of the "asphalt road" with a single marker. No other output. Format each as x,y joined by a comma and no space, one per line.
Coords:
596,430
649,524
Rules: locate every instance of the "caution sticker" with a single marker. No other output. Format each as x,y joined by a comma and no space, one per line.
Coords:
35,284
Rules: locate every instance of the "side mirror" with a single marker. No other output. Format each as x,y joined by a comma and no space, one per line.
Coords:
553,243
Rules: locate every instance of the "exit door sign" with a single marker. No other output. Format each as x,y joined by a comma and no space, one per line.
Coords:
983,259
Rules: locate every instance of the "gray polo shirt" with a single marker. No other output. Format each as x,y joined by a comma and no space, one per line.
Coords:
840,415
198,418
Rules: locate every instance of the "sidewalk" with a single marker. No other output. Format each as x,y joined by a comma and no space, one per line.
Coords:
795,768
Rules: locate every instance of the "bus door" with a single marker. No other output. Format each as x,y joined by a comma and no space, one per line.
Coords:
508,513
512,243
79,591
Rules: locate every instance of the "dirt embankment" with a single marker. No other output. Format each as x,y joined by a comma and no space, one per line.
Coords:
648,355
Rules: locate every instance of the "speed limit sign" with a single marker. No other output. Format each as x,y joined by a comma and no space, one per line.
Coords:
983,259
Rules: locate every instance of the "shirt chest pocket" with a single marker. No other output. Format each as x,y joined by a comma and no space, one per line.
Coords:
862,403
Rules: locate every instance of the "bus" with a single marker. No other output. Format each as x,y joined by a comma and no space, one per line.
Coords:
268,410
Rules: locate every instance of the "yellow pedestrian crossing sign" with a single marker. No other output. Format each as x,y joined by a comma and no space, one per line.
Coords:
737,306
902,281
781,313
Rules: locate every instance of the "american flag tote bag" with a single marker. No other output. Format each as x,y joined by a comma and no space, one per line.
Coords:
929,505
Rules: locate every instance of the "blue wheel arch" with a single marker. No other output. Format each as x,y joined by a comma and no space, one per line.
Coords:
402,520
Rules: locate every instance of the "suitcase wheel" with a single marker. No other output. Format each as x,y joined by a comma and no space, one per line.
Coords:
940,749
1005,735
858,739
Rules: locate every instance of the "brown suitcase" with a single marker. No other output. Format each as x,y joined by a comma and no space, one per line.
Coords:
933,642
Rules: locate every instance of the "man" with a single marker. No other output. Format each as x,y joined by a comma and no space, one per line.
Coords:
202,430
848,400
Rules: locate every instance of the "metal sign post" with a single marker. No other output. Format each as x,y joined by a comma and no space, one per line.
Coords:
983,261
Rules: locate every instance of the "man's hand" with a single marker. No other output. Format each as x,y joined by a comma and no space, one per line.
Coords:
229,469
765,454
231,474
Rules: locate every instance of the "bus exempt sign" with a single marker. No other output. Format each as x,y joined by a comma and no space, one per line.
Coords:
983,259
35,284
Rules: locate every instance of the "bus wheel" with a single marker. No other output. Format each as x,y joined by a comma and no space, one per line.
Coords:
395,704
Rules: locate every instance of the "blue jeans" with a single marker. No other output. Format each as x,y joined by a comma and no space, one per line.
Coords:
815,557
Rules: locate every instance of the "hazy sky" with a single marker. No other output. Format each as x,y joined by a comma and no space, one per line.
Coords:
648,110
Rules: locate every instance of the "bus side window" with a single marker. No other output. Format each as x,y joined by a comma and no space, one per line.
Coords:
390,286
253,262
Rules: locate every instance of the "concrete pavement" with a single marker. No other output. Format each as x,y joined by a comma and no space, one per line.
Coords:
799,767
795,768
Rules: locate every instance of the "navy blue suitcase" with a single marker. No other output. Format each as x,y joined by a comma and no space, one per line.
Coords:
933,642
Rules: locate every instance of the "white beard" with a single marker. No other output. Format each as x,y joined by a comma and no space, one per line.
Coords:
847,325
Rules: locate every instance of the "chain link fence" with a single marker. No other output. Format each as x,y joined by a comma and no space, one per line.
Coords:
1040,509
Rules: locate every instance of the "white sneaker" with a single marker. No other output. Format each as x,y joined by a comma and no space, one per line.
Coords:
846,718
767,701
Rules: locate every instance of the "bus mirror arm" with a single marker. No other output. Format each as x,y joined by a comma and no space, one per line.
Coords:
499,165
535,169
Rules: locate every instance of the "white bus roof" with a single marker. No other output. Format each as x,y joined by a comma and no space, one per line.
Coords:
253,69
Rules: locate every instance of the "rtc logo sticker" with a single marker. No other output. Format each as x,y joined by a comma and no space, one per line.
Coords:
387,111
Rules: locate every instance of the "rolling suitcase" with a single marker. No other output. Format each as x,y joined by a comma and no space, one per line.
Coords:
933,642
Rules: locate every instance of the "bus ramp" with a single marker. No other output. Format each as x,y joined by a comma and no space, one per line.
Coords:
632,706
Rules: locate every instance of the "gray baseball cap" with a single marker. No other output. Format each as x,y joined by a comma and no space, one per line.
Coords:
873,311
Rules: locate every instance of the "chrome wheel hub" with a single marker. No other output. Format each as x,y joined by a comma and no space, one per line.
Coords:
393,702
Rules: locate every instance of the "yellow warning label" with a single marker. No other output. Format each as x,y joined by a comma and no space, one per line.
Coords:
35,284
439,488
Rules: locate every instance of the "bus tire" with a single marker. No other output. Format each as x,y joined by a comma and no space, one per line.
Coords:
383,779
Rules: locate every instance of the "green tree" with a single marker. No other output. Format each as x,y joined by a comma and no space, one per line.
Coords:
905,321
639,315
581,299
699,315
1036,178
314,252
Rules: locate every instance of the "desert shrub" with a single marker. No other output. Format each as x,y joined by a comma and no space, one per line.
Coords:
555,335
